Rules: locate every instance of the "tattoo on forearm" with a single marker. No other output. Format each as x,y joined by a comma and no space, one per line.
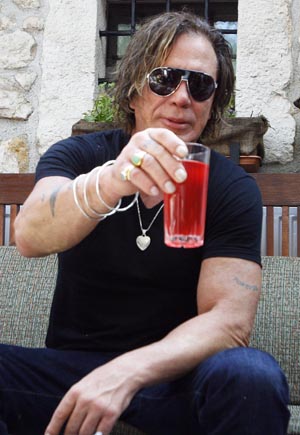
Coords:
52,200
254,288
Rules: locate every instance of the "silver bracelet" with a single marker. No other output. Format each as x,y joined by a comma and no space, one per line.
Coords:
117,208
131,204
86,201
99,168
77,201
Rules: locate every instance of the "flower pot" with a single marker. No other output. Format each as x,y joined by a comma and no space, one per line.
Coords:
83,127
244,133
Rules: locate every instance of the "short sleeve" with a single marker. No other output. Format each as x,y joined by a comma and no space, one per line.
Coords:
234,213
80,154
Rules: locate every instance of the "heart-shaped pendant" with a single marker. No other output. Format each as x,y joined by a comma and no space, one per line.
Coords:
143,242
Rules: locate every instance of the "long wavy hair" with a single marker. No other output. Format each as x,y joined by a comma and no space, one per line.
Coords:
150,47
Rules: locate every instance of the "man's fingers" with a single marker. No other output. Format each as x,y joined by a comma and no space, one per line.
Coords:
60,416
169,140
106,425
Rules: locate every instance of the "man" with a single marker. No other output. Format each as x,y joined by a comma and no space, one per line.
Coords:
156,337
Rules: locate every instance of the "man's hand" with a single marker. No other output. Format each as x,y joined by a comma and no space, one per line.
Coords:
159,170
50,220
93,404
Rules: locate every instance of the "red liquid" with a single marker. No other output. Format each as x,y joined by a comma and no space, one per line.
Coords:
185,210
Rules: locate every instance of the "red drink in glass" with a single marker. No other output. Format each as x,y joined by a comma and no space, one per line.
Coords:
185,209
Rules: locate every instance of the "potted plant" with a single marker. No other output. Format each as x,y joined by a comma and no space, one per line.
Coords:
102,115
240,138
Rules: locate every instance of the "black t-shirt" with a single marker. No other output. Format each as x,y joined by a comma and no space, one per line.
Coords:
110,295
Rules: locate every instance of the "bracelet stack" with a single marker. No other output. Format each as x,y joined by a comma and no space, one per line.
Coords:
88,211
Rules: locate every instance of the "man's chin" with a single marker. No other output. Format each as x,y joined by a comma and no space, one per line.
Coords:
188,137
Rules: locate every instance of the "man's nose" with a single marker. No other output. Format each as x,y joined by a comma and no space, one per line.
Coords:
182,94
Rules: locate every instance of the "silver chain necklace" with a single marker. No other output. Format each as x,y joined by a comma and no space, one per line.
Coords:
143,241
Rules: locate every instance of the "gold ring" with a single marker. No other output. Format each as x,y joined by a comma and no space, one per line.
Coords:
138,157
125,173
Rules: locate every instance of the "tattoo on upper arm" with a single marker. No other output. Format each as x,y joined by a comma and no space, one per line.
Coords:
245,285
52,200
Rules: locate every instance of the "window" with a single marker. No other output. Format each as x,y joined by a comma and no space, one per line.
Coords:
124,17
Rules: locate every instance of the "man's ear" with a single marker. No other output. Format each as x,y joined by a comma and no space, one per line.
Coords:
131,104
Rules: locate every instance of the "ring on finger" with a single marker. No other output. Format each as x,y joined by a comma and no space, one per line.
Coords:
126,172
138,157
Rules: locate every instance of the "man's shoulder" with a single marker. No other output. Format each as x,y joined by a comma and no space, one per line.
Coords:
222,164
229,180
80,154
225,171
99,137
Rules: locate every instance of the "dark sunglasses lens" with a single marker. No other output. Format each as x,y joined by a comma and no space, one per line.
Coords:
163,81
201,86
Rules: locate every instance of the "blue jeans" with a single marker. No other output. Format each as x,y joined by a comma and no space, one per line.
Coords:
240,391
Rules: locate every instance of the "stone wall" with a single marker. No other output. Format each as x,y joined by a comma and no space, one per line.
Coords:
268,78
50,58
21,36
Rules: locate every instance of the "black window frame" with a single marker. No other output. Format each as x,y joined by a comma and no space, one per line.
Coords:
209,9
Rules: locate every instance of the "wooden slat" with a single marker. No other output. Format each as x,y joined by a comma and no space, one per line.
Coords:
285,232
270,230
298,231
13,214
279,189
2,220
14,189
282,190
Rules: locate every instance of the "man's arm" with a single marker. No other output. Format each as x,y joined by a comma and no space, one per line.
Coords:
227,297
51,222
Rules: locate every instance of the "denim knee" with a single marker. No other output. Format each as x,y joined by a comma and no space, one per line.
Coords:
245,392
249,370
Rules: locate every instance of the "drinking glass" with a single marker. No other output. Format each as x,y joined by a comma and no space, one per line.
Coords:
185,209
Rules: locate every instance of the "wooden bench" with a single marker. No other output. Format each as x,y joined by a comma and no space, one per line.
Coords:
14,189
278,190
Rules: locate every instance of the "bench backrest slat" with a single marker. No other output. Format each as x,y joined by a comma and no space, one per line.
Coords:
14,189
278,190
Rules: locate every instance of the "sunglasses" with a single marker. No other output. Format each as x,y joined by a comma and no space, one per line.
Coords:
164,81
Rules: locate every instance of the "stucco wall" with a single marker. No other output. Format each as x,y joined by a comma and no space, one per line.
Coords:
69,67
267,71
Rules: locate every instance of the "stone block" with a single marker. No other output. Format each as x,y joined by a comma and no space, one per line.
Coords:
6,23
14,105
33,24
14,155
26,80
17,49
27,4
13,101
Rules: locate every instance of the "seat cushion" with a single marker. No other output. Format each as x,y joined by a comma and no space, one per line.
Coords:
277,325
26,289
